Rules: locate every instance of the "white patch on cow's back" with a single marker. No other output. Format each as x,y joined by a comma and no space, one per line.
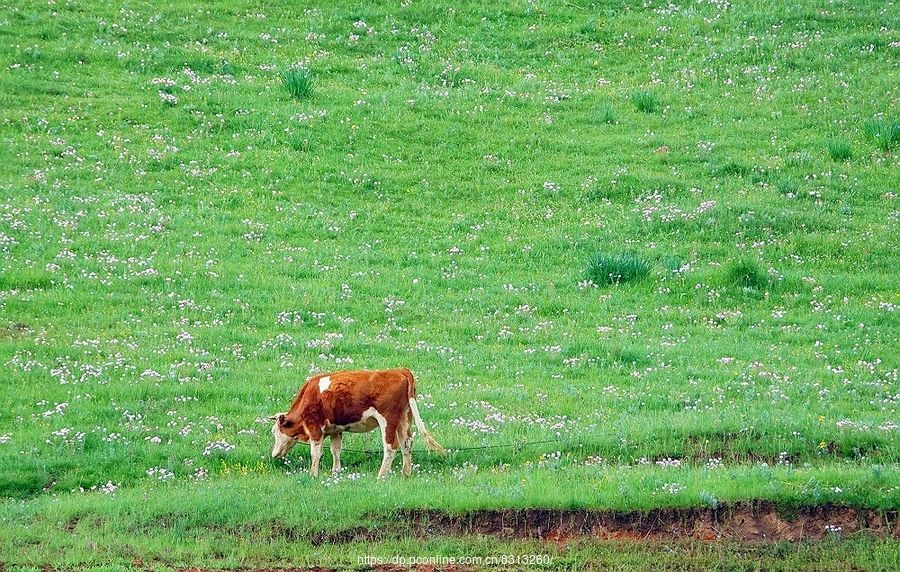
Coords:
324,384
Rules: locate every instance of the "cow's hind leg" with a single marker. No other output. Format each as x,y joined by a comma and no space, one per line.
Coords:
336,440
404,435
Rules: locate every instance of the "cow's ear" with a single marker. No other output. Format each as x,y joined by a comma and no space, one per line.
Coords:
276,416
283,421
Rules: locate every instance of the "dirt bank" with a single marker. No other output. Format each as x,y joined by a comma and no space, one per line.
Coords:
760,521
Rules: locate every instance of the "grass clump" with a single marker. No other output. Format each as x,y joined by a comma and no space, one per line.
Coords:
885,132
747,274
605,269
731,168
645,101
607,113
839,150
298,81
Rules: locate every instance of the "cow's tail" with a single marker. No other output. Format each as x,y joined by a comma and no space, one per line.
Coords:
430,443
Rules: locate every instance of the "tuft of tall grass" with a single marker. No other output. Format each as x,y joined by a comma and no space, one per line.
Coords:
604,269
839,149
789,186
747,274
885,132
645,101
731,168
298,81
607,113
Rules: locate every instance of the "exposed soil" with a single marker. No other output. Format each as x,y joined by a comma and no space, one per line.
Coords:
744,522
754,523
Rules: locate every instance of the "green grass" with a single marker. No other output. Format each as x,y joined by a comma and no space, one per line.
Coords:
644,101
606,113
298,81
884,132
183,240
603,269
839,149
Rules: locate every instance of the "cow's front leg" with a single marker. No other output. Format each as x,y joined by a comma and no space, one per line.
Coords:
336,452
315,452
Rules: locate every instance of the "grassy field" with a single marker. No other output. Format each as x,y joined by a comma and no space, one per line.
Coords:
639,255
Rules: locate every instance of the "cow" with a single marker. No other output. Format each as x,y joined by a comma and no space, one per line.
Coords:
354,401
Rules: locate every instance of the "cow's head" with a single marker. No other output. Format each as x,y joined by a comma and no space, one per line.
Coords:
286,436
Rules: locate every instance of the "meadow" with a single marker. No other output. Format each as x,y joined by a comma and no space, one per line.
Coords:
640,255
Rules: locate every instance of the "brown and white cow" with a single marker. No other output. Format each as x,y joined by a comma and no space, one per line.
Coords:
354,401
